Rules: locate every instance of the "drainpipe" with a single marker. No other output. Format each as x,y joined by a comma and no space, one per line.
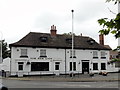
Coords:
65,63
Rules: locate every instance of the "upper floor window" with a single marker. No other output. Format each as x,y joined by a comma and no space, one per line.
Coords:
43,53
103,55
23,53
95,54
72,53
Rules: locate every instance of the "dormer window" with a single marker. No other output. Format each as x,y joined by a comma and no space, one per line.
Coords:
69,40
43,39
91,41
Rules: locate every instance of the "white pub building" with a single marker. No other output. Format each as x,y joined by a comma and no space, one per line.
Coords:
50,53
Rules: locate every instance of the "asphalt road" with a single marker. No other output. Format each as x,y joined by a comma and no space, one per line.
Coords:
44,84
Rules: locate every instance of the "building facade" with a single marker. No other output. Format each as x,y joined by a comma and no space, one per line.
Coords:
50,53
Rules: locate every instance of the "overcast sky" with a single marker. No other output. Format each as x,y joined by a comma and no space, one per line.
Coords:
19,17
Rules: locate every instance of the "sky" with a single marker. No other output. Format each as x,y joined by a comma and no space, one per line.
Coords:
19,17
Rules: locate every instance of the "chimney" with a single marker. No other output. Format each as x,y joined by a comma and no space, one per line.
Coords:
101,39
53,30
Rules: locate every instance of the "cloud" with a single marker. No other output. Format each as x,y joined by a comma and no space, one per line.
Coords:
19,17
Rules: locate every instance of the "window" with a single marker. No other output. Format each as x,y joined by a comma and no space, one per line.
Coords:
95,54
103,55
95,66
39,66
69,40
43,39
20,66
117,64
57,65
23,53
74,54
74,66
43,53
103,66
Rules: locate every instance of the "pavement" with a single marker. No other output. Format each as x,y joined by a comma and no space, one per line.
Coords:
77,78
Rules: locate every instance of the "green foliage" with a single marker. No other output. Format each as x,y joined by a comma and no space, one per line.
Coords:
115,60
110,26
5,51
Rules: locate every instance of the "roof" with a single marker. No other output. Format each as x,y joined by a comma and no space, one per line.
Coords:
107,46
34,39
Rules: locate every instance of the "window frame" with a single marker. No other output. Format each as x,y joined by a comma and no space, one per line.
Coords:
24,53
20,66
74,53
57,65
103,55
104,66
43,53
95,54
74,66
95,67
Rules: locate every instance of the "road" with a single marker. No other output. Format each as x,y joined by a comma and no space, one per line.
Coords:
46,84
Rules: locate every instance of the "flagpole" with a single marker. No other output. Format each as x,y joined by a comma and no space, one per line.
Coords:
72,38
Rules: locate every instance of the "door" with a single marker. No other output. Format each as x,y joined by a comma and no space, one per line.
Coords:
85,67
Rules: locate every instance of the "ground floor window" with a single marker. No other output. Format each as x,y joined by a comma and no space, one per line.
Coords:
103,66
20,66
39,66
95,66
74,66
117,64
57,65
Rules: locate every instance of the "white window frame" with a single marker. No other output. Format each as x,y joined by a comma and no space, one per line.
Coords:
24,52
103,55
57,64
95,54
74,53
20,64
43,53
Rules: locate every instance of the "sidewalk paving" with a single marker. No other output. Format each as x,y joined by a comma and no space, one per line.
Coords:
81,78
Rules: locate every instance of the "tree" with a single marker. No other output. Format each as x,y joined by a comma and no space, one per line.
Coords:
5,51
111,25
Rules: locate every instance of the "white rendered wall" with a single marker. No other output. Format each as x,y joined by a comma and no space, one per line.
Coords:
56,55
